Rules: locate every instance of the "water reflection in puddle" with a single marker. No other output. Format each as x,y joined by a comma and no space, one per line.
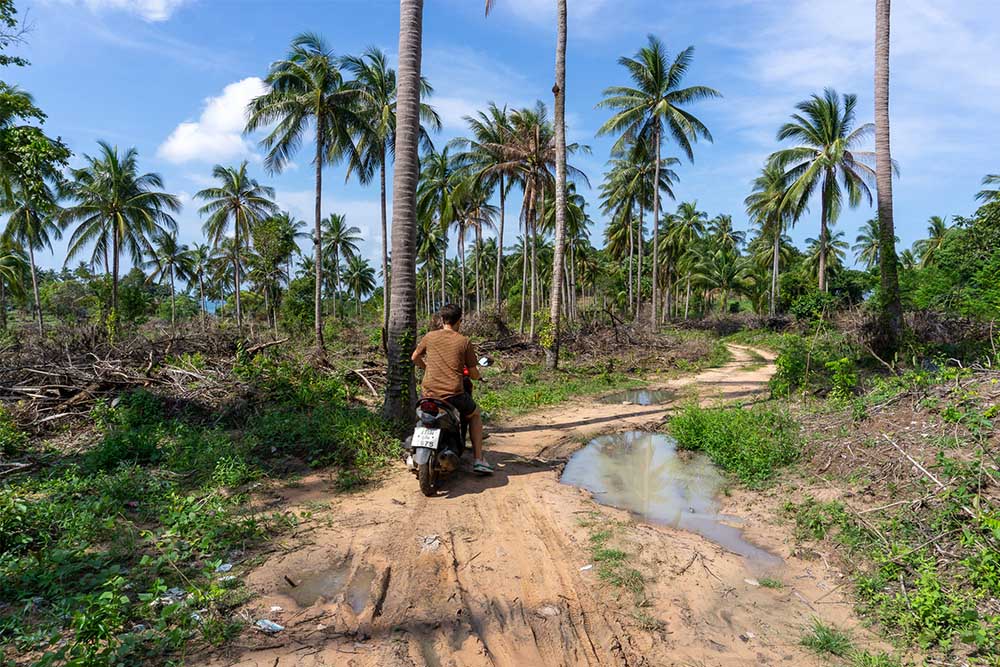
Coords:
326,585
639,397
643,473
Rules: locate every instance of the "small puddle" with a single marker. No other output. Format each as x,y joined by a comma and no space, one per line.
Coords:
642,472
312,586
640,397
360,589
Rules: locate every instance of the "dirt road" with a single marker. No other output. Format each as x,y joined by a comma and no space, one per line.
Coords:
489,572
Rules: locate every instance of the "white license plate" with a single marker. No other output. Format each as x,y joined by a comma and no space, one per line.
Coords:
426,437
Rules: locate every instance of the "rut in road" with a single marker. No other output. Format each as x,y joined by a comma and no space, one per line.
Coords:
493,570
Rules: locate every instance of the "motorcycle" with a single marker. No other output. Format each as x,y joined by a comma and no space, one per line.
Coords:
440,438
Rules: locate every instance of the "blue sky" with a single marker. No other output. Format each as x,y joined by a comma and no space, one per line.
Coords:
172,77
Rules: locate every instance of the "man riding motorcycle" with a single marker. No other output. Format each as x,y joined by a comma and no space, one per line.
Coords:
445,354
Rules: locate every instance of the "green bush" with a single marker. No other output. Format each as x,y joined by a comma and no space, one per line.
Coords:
752,444
813,305
12,439
804,363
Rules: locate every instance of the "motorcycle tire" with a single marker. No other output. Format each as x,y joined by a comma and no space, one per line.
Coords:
426,478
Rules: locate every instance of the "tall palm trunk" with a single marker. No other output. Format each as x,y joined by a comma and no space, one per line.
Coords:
687,296
534,272
400,392
336,278
114,270
444,261
3,305
824,230
201,297
318,238
236,266
173,301
628,223
479,251
499,271
385,248
774,269
552,352
891,311
34,286
638,276
461,257
656,224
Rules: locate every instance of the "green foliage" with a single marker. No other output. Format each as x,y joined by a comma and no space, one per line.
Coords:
298,310
304,413
810,363
829,639
12,439
813,306
867,659
771,582
752,444
538,388
843,377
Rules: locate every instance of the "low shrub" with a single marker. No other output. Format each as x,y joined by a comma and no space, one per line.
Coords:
752,444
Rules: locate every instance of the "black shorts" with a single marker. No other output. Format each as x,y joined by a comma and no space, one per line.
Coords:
463,403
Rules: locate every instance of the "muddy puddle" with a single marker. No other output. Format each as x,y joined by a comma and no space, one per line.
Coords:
328,584
643,472
640,397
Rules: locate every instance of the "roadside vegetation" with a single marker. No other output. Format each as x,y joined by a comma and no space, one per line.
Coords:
152,391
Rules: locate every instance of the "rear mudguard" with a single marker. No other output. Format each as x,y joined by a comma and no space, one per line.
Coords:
422,455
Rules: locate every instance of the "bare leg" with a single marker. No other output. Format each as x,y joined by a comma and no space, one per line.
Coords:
476,433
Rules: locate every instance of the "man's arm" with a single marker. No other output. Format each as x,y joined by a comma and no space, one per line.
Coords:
418,355
472,362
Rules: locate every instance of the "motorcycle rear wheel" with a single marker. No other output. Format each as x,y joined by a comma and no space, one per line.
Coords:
425,475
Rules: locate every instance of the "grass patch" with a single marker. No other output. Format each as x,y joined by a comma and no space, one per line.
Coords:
535,388
110,557
866,659
827,639
770,582
613,563
751,444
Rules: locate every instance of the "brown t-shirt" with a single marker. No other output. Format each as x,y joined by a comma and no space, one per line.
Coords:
447,353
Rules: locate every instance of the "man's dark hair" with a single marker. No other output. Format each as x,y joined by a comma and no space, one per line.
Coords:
451,314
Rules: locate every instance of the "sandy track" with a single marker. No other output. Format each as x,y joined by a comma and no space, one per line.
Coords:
489,572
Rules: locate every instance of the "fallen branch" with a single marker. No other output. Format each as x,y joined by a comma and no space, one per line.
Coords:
263,346
366,380
914,462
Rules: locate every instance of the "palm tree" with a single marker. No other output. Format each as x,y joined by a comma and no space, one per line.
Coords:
826,160
722,271
360,278
927,249
988,195
13,267
400,391
430,252
472,212
832,253
688,227
116,208
239,201
721,229
867,245
170,260
342,241
652,107
891,308
201,255
376,85
308,87
31,224
489,131
768,204
292,229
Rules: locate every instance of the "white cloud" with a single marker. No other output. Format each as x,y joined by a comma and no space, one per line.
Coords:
149,10
217,135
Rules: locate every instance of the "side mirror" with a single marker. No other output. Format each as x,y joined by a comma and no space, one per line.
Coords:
485,361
